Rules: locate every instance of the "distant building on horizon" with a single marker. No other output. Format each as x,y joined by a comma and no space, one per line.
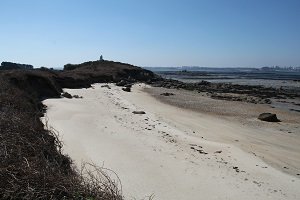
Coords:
101,58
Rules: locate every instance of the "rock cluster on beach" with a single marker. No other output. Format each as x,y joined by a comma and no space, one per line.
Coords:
167,94
231,92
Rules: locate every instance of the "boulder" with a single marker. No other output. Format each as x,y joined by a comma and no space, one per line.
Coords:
139,112
106,86
126,89
267,101
128,85
122,83
268,117
77,96
66,95
203,83
166,94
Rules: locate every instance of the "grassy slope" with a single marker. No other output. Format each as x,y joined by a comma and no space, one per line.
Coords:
32,165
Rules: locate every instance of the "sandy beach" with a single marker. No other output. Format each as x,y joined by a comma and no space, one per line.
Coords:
177,152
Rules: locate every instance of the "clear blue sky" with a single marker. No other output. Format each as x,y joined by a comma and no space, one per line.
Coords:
212,33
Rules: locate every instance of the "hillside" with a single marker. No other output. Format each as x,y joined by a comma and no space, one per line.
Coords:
102,71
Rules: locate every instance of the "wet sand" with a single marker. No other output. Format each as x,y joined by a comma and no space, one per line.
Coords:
170,152
276,143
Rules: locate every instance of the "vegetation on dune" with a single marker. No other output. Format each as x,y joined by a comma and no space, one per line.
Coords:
32,165
10,65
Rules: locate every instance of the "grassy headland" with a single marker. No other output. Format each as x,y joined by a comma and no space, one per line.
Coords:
32,164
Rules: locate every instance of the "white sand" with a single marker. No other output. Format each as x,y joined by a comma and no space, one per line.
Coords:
152,153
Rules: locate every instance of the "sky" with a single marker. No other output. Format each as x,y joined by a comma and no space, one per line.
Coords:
208,33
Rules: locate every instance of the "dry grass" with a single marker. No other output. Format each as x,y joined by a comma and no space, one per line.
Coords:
98,183
32,165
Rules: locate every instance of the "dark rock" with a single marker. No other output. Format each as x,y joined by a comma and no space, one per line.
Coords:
66,95
167,94
236,169
201,151
77,96
106,86
126,89
268,117
139,112
230,92
128,85
203,83
294,110
121,83
267,101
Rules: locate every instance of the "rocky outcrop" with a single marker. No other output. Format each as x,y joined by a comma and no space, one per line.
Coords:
268,117
167,94
231,92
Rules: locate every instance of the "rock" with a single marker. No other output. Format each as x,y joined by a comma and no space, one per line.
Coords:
268,117
77,96
128,85
167,94
203,83
236,169
66,95
121,83
107,86
230,92
126,89
139,112
267,101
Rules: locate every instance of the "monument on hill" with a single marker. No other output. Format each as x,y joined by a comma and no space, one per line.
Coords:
101,58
